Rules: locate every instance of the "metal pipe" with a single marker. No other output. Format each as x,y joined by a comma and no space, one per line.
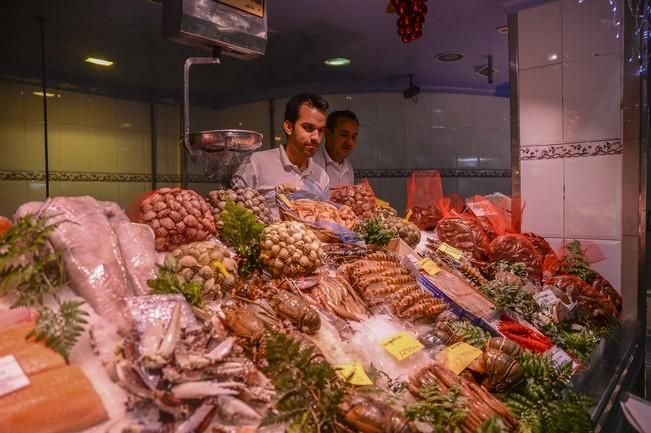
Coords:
516,193
44,90
186,94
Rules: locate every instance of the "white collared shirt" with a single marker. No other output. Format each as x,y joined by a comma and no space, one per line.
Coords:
339,174
265,170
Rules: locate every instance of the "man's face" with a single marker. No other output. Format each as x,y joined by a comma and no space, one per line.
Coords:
342,141
306,134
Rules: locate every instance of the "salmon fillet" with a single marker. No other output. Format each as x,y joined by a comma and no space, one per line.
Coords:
13,338
61,400
35,358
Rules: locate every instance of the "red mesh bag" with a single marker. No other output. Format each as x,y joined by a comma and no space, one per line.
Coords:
360,198
514,248
461,231
133,209
5,224
540,244
424,190
490,217
177,216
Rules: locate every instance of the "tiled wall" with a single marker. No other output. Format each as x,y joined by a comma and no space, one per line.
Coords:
87,135
570,74
90,134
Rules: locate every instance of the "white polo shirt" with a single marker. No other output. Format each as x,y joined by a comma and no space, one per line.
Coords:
339,174
265,170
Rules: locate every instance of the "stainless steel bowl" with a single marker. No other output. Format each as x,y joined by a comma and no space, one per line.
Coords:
217,140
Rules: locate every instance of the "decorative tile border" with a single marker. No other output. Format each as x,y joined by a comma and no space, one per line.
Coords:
64,176
572,150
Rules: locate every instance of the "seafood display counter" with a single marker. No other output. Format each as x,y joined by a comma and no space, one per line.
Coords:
209,314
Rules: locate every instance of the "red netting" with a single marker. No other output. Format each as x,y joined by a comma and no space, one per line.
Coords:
424,189
133,209
516,248
5,224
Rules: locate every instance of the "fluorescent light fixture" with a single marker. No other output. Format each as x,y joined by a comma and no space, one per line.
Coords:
449,57
47,94
337,61
100,62
552,57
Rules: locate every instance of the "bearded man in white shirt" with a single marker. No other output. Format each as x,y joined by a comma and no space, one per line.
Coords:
291,164
341,139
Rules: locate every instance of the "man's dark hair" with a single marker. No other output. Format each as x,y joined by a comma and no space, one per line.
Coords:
331,123
312,100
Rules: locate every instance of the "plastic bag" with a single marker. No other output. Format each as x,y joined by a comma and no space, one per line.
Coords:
516,248
459,230
490,217
424,189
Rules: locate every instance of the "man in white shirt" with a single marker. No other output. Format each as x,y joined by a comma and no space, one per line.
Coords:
290,164
341,139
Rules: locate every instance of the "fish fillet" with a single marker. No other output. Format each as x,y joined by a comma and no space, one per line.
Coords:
35,358
13,338
58,401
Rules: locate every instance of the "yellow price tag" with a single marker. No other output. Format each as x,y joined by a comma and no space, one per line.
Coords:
353,373
429,266
450,251
401,345
461,355
409,214
217,265
381,203
284,199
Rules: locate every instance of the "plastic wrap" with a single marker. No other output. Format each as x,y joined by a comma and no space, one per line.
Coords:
514,248
360,198
91,254
465,234
138,251
153,310
465,301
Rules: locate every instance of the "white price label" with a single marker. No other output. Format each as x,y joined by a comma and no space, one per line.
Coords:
546,298
12,376
560,357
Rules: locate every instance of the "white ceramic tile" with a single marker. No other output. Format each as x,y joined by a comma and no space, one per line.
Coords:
391,147
593,197
468,110
167,119
71,148
419,147
34,146
490,185
33,104
589,28
591,98
467,144
493,112
104,150
444,109
555,243
132,151
542,196
368,142
132,115
417,113
610,266
469,186
539,35
35,191
73,108
103,111
444,147
391,109
450,185
365,106
13,155
11,100
541,102
13,193
494,148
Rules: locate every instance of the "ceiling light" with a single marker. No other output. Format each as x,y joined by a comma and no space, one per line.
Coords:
337,61
449,57
552,57
503,30
100,62
47,94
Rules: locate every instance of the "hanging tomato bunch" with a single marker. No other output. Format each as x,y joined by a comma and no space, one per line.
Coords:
412,17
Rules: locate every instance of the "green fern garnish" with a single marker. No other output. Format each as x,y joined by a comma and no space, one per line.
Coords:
243,232
469,333
575,262
59,330
512,297
32,271
170,281
442,411
310,390
543,403
493,424
372,232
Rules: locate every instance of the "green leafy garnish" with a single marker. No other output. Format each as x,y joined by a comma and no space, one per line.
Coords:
32,271
442,411
372,232
242,231
513,297
170,281
469,333
543,403
493,424
310,391
575,262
